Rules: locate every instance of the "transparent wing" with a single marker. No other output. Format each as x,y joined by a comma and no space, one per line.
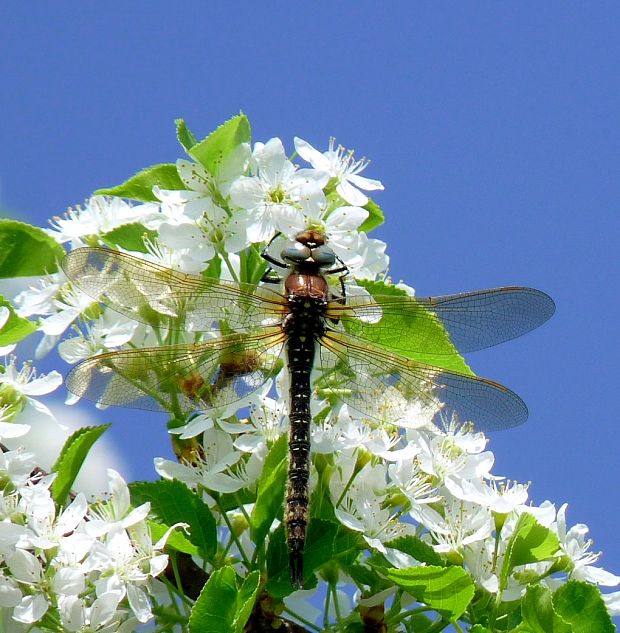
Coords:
379,383
180,378
147,292
472,320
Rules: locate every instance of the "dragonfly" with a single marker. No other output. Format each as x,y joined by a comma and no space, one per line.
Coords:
376,353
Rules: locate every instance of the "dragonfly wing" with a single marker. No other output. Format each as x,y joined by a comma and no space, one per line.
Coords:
147,292
180,378
471,321
383,385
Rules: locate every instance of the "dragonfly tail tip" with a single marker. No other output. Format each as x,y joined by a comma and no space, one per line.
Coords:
296,569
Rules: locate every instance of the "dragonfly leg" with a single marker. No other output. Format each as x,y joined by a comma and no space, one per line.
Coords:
266,255
271,277
344,269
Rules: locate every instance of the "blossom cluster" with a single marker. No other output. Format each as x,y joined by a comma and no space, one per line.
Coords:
401,476
85,568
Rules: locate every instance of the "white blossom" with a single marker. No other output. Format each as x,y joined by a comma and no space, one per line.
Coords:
277,189
462,523
116,510
576,546
109,331
19,388
211,471
98,216
341,165
4,317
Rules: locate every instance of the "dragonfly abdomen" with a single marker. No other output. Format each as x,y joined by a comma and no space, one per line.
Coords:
303,325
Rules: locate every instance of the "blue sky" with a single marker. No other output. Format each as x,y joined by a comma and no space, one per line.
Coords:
493,126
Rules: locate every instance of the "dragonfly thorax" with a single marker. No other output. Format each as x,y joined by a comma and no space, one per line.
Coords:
300,283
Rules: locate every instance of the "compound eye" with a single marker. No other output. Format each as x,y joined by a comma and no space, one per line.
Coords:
298,252
323,255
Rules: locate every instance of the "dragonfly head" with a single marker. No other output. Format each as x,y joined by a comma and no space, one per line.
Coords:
309,247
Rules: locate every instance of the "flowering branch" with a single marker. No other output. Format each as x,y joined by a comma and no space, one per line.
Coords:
410,530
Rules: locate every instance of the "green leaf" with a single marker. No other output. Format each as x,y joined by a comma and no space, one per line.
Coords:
448,590
478,628
214,269
131,237
510,615
211,151
16,328
375,217
71,458
270,496
278,579
363,575
347,544
325,542
419,623
418,549
321,506
581,605
246,598
221,607
439,351
27,251
50,622
538,613
216,607
140,186
173,502
320,547
176,540
185,136
530,543
232,500
252,265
